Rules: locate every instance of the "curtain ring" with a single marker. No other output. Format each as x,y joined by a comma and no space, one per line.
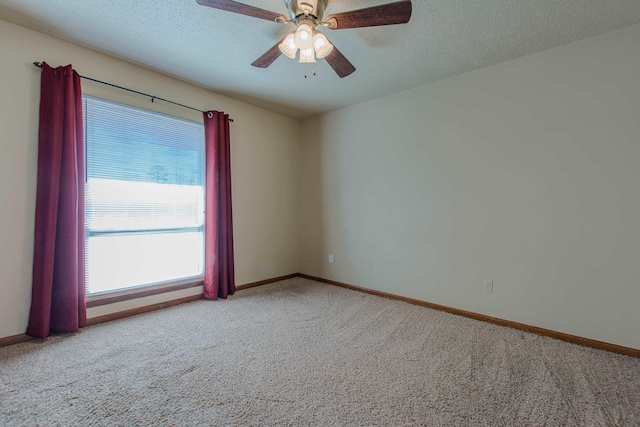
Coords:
210,114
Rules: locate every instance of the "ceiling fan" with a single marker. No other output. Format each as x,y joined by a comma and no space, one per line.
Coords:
307,15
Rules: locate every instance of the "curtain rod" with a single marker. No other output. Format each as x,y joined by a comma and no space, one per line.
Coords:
39,65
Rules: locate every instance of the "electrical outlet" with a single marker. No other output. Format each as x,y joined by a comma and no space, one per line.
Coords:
488,286
330,258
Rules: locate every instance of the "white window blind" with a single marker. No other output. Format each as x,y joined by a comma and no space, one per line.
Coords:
144,197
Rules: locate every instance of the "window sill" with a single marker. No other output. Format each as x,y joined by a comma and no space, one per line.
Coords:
126,295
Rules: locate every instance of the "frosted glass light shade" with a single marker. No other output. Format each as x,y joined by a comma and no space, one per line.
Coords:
307,56
288,46
304,37
322,45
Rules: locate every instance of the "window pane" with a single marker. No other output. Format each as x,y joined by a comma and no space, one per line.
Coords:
122,261
144,197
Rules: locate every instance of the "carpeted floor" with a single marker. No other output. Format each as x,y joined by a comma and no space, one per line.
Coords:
301,353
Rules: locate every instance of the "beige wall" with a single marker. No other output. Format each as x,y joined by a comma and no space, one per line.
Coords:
265,162
526,173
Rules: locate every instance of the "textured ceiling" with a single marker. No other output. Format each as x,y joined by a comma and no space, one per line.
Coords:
214,49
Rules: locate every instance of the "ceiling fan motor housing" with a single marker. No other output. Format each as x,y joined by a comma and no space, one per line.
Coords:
302,7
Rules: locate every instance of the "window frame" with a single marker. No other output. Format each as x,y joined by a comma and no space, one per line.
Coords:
97,299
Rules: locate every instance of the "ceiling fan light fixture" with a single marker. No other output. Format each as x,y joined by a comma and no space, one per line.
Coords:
288,46
304,36
322,45
307,56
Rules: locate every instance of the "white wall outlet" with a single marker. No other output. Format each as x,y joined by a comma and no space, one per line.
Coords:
488,286
330,258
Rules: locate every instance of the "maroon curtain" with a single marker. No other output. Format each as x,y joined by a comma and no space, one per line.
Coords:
58,292
219,281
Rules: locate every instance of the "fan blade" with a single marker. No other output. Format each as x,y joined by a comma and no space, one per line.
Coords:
242,9
386,14
339,63
269,56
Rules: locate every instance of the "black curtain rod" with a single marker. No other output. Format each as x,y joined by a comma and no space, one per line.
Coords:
39,65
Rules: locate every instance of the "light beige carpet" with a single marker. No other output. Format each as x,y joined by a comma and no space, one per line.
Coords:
301,353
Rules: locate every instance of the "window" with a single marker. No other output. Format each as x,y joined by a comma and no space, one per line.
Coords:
144,197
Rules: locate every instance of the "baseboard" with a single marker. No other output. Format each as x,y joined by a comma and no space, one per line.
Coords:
15,339
600,345
266,282
140,310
